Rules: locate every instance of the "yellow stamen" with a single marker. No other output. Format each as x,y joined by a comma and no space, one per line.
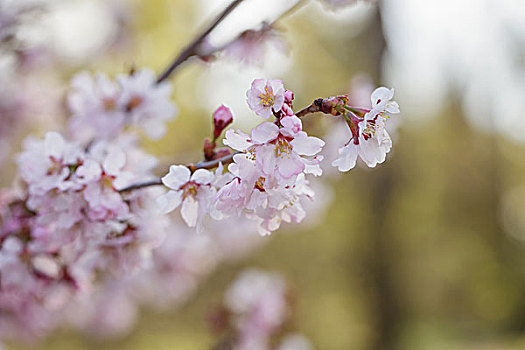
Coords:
267,98
282,147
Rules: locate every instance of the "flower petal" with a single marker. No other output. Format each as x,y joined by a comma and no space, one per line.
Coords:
381,95
169,201
202,176
290,166
178,176
115,160
265,132
190,211
54,144
347,157
237,140
307,146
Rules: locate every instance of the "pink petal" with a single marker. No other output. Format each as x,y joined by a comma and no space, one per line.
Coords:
290,166
308,146
54,145
291,126
265,132
115,160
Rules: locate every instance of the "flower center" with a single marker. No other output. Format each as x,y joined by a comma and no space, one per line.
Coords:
369,130
133,103
267,98
190,189
107,181
55,167
250,154
282,147
109,104
260,184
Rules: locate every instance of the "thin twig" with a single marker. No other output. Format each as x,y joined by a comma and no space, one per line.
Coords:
313,108
140,185
192,49
265,26
193,167
211,164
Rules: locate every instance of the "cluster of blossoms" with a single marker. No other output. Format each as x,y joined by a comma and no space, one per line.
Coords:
102,107
75,224
84,238
267,180
257,308
69,225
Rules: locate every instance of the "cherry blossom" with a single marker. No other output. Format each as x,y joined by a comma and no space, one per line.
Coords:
278,151
93,102
82,239
266,97
268,177
192,190
258,310
101,108
368,136
45,165
251,45
146,101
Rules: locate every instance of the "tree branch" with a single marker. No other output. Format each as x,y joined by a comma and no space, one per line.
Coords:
313,108
192,49
211,164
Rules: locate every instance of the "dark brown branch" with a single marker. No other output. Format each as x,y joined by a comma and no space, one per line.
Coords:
139,185
192,49
193,167
211,164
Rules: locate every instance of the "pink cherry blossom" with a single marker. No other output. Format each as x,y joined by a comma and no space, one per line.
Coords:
93,103
250,47
258,303
268,177
44,165
147,103
279,151
266,97
101,108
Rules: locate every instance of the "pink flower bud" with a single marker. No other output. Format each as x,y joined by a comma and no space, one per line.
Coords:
222,117
209,148
288,97
334,105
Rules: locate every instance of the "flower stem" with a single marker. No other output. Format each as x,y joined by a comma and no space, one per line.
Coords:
313,108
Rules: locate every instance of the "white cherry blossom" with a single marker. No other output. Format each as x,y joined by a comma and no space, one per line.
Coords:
370,140
193,191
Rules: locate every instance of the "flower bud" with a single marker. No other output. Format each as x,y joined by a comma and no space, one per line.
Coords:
334,105
209,148
222,117
288,97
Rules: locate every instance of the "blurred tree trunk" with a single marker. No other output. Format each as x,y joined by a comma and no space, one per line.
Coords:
379,261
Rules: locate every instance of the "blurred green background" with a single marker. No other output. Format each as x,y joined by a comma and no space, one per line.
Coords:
415,254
